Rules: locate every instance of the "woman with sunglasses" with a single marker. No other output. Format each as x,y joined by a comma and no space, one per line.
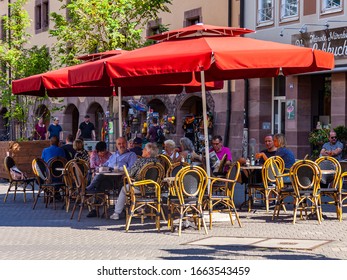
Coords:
333,148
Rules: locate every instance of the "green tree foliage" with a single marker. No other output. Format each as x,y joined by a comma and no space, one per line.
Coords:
18,61
102,25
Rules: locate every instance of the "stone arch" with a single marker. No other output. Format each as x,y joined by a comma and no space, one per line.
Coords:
43,111
71,119
182,97
96,113
185,104
165,100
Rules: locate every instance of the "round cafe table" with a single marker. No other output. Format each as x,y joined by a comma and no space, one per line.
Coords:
251,180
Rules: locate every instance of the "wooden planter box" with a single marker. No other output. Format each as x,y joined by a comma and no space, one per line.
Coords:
22,152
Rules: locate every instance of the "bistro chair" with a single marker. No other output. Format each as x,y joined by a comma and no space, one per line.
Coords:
71,188
222,193
305,177
190,186
83,198
165,162
168,190
342,194
17,184
329,185
266,188
144,195
284,191
56,167
44,180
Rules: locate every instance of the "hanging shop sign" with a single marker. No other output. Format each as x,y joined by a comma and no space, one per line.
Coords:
330,40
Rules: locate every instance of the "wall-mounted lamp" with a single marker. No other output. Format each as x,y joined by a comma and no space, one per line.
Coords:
302,29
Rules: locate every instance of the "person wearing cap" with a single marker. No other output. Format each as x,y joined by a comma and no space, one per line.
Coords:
137,149
55,129
86,130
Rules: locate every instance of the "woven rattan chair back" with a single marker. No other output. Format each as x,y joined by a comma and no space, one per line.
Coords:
175,168
41,171
165,161
330,163
53,164
306,177
152,171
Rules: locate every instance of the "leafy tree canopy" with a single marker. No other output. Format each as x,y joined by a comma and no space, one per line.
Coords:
100,25
18,61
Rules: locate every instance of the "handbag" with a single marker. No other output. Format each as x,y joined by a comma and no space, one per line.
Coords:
16,174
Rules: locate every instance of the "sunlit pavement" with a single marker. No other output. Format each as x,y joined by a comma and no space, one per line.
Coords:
47,234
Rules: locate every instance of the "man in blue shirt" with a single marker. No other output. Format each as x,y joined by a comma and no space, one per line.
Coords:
53,150
119,158
54,129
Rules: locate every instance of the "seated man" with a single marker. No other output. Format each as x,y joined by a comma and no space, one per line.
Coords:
68,148
262,156
220,150
121,157
270,150
149,154
333,148
53,150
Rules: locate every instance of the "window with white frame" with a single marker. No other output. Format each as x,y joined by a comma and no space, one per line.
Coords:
331,6
289,9
265,11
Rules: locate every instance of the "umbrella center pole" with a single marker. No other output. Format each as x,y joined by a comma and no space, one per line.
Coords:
204,110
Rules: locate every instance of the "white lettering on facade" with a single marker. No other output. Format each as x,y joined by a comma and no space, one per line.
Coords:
336,50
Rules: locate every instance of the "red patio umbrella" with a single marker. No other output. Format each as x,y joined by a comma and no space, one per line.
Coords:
56,84
208,52
100,55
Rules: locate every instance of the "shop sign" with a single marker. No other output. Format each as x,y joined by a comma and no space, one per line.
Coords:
330,40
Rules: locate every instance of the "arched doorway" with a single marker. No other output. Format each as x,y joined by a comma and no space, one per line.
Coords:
97,116
43,112
191,116
158,106
71,119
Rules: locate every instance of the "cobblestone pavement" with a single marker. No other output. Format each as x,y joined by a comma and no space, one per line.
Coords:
47,234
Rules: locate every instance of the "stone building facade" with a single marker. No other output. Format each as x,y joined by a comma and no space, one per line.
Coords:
251,108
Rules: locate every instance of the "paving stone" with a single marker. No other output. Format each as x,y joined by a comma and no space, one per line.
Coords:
45,233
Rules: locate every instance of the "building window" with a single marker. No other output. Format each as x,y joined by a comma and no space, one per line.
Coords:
331,6
153,27
289,9
41,15
2,29
265,12
192,17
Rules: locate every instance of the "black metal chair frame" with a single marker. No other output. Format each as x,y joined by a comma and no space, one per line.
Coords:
144,195
222,193
44,180
17,185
